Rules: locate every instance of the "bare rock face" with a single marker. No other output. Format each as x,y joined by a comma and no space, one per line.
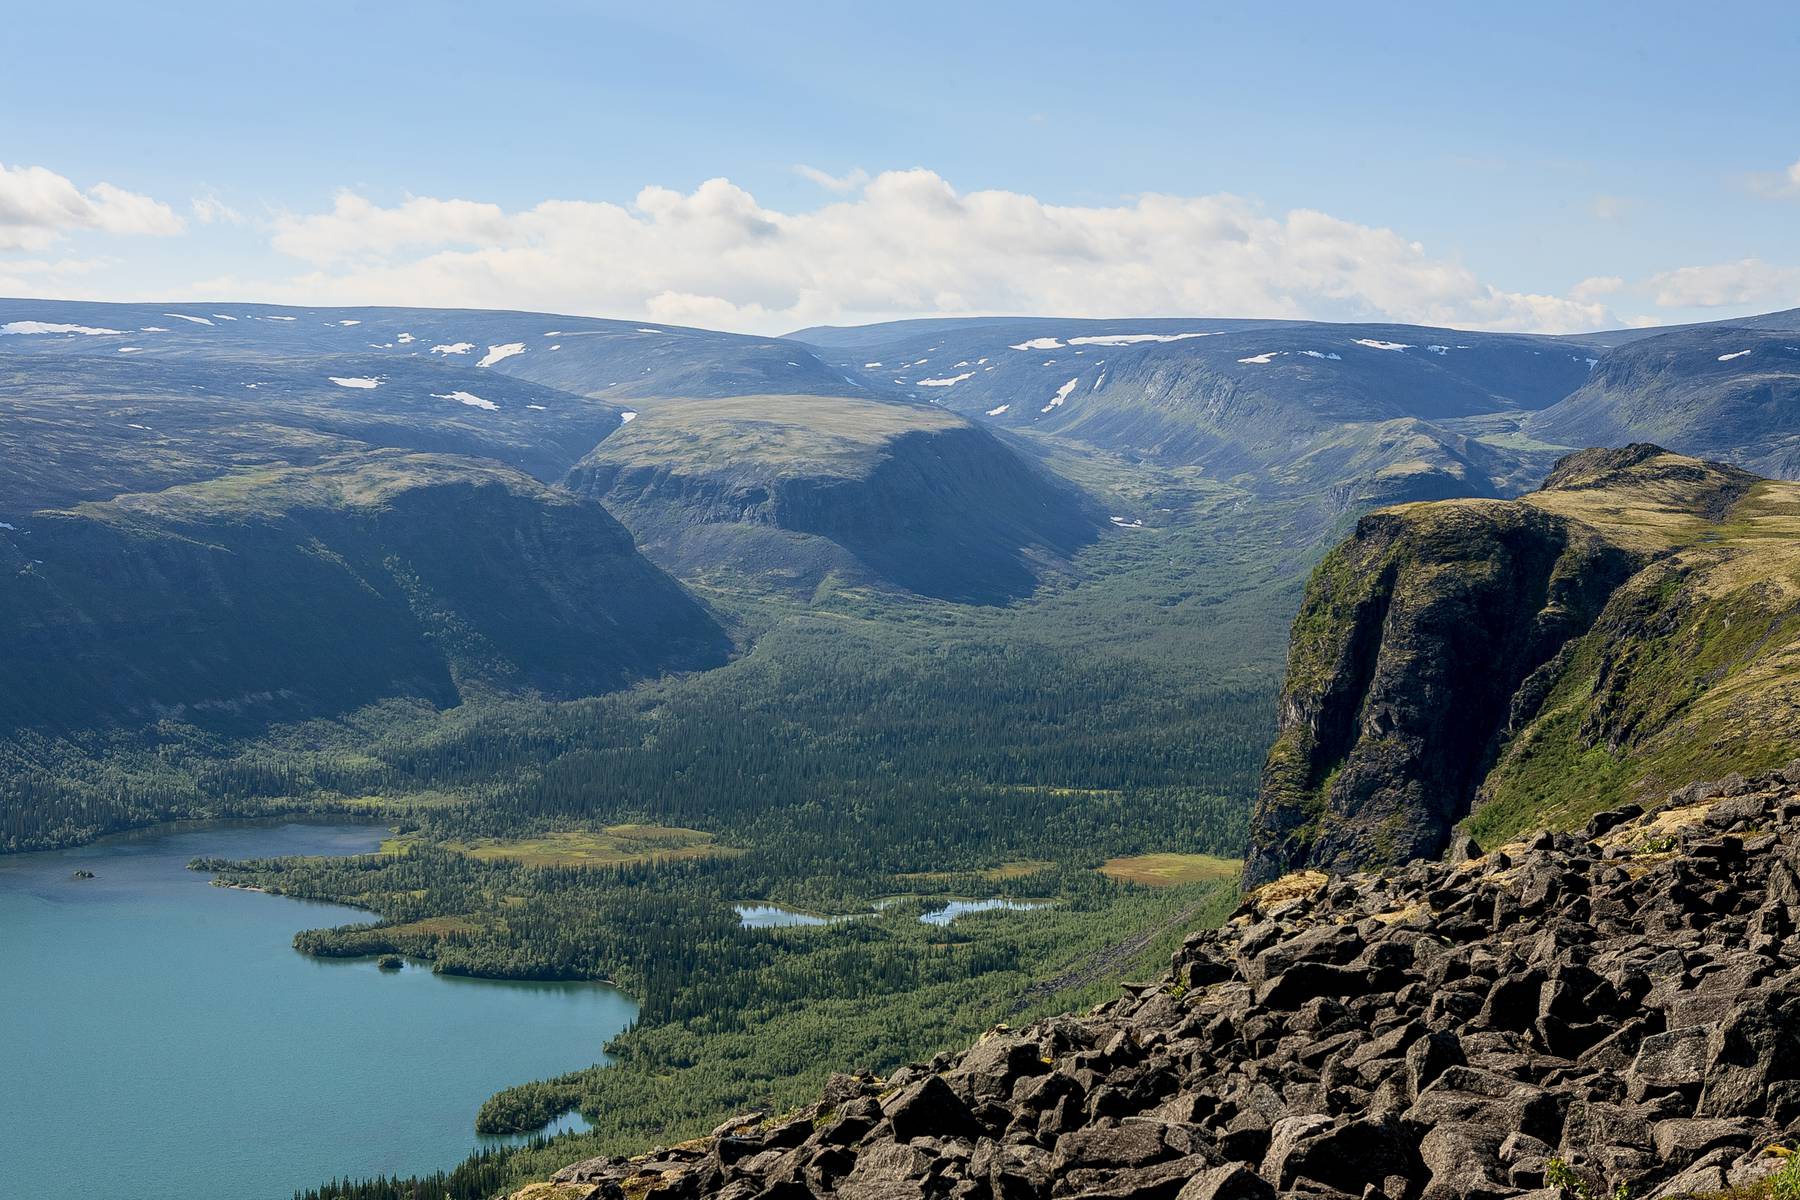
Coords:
1566,1014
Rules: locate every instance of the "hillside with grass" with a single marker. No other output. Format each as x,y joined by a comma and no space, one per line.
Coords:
1503,665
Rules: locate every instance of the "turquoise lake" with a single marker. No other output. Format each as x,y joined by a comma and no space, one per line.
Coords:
161,1038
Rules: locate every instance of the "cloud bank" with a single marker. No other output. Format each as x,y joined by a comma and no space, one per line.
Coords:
39,207
903,243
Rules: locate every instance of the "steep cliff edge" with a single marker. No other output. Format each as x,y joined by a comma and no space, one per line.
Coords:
294,592
1631,627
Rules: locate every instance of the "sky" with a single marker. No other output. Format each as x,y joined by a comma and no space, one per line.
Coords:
767,166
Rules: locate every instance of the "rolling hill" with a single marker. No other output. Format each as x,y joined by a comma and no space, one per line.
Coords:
1357,412
1726,391
796,487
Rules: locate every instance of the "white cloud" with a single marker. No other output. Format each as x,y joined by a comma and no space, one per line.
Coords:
849,182
1596,286
1749,281
38,207
357,230
907,244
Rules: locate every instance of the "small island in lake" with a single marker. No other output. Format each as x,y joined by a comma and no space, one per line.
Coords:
390,962
82,874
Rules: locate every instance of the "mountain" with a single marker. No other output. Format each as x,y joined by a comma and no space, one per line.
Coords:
795,487
1283,407
1721,391
1629,628
583,356
287,592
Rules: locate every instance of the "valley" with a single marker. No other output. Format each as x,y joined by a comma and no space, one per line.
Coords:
623,628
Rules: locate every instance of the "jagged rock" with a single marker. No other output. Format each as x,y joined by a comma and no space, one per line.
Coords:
1230,1182
930,1109
1370,1036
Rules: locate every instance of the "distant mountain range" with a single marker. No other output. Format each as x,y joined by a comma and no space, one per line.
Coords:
169,464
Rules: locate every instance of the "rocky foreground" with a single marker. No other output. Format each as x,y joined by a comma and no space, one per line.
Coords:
1610,1014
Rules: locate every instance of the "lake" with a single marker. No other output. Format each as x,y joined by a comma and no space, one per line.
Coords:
775,916
161,1038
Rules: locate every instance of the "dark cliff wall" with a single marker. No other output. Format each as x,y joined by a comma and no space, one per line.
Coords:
1413,640
307,598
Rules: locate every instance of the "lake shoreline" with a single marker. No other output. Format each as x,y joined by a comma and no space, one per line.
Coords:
221,1005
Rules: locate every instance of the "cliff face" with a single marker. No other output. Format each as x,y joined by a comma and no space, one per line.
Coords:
910,496
299,592
1501,664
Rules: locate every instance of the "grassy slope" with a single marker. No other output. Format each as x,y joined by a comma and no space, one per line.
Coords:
1693,670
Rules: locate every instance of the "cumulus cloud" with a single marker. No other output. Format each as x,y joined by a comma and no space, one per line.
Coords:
38,207
1596,286
357,230
907,243
1748,281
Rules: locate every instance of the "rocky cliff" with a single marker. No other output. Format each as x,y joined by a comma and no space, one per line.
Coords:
1614,1012
1498,665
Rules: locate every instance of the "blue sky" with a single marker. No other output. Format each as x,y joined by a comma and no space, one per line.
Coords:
1525,165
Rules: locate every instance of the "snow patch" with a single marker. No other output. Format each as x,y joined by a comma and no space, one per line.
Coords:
1122,523
354,381
1322,354
130,349
1438,349
1044,343
454,348
468,398
626,418
1133,339
496,353
223,317
52,327
1734,354
870,366
646,330
947,381
994,412
153,329
1062,393
5,525
1264,359
535,407
406,339
185,317
1373,344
